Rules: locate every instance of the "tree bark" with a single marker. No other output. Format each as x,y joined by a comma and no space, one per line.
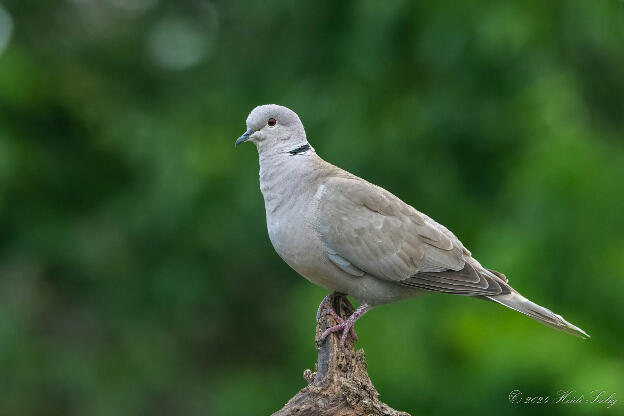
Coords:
340,386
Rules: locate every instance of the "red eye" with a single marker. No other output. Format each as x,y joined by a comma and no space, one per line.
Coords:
272,122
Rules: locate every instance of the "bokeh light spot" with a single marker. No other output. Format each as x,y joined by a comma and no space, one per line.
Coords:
177,44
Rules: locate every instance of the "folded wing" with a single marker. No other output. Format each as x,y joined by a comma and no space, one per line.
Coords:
366,229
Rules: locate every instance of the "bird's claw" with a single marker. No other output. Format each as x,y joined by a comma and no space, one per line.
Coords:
327,307
344,325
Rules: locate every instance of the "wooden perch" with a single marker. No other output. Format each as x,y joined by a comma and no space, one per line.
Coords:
340,385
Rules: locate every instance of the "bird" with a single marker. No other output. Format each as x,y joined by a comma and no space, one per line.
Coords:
355,238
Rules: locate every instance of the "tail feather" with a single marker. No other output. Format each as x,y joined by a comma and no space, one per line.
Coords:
519,303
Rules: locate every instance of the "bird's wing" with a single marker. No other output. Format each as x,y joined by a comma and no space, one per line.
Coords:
366,229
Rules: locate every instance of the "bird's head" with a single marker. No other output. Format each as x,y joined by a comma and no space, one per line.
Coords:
274,129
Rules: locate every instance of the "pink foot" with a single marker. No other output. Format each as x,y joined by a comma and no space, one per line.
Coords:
326,305
346,325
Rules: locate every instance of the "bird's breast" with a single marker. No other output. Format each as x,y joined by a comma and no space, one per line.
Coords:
289,235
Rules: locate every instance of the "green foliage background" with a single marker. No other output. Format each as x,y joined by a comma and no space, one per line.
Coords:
136,275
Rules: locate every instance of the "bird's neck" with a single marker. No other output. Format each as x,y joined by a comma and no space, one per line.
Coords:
288,177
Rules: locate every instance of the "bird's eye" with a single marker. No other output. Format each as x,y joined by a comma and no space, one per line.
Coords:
271,122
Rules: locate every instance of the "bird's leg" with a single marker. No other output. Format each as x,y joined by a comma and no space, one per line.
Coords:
326,305
347,325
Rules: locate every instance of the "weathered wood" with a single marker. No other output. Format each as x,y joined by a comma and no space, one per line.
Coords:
340,385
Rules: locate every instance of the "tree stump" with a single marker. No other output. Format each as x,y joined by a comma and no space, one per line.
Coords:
340,386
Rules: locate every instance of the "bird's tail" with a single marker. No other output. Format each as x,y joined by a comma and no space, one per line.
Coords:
517,302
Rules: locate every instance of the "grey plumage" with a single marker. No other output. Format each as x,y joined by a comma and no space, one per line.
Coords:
346,234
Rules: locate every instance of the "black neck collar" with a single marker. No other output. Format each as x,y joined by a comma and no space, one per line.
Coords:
300,149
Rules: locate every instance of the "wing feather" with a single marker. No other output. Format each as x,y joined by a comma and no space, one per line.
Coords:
366,229
380,234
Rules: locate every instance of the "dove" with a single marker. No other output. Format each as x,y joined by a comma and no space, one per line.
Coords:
355,238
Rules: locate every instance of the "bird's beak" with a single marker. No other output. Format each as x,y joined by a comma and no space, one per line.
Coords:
244,137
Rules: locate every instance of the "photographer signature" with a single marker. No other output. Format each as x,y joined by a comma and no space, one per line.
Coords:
570,396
